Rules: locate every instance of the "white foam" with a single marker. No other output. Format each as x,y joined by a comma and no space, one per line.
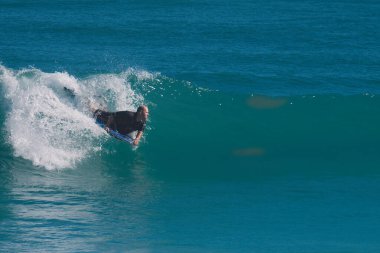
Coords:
53,129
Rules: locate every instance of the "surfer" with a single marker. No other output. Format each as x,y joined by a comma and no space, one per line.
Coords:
125,122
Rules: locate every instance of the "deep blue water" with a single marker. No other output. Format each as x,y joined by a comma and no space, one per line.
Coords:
263,133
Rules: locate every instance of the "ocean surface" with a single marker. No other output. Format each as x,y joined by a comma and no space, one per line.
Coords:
263,136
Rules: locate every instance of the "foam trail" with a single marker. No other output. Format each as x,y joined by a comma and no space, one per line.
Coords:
51,128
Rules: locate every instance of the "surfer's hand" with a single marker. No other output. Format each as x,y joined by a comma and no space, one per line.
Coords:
107,129
136,142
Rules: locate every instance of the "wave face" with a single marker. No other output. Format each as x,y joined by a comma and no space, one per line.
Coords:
216,135
204,132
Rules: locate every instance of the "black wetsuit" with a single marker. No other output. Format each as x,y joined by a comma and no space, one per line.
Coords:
124,122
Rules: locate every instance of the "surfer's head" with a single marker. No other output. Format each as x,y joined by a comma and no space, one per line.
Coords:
142,113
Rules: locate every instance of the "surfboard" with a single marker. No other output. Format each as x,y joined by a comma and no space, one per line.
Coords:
115,134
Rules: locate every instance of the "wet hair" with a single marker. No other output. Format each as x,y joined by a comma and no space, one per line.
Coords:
140,113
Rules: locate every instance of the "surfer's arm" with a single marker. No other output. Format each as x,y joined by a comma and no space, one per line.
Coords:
138,137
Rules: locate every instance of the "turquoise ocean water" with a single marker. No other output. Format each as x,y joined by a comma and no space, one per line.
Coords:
263,133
